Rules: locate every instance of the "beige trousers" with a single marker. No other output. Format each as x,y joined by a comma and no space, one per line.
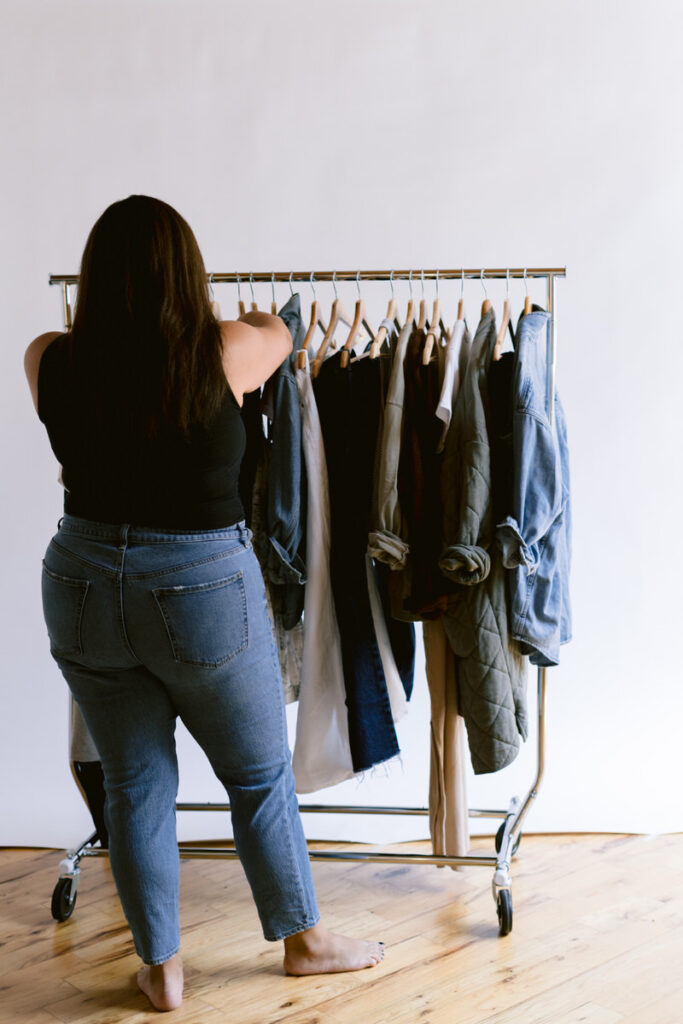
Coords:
448,807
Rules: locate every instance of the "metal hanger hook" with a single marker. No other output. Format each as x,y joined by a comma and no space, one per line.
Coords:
291,275
358,283
482,283
251,285
462,282
437,284
315,297
334,285
422,281
239,290
410,282
391,282
507,283
211,287
272,285
526,285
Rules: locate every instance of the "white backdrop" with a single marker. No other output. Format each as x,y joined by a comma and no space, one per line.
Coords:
379,133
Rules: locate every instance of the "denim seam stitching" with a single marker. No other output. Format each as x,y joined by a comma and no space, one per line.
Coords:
111,573
84,586
290,839
184,565
523,613
119,606
167,537
158,595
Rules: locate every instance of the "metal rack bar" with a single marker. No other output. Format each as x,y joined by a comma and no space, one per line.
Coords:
343,809
230,853
488,273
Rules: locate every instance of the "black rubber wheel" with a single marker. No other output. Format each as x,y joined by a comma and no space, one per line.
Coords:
62,904
504,908
499,840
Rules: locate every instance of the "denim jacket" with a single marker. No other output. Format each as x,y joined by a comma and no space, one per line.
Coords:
283,557
535,538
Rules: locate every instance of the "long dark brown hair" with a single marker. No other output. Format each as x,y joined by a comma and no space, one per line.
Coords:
143,334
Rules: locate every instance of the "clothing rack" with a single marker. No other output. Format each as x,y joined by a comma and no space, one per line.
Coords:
509,834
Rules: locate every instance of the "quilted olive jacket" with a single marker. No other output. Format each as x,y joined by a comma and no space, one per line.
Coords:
490,668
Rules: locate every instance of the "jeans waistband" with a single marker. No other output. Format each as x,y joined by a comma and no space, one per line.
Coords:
131,534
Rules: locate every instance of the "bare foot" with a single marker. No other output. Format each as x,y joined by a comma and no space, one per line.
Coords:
163,983
319,951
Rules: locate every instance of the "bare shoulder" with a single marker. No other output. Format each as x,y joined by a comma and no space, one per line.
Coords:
32,358
253,350
38,346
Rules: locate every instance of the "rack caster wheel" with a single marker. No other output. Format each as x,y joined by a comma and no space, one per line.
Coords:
63,902
499,840
504,908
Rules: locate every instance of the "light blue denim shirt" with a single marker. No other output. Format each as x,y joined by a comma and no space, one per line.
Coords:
535,538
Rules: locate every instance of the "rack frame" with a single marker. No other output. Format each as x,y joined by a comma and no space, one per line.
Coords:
509,834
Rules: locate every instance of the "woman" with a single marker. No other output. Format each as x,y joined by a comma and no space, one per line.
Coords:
153,598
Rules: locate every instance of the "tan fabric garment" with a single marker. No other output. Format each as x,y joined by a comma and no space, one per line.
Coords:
448,806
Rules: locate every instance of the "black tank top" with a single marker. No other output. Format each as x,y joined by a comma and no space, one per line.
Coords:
110,475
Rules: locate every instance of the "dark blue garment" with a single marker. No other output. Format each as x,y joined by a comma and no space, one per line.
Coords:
401,633
283,550
349,404
536,537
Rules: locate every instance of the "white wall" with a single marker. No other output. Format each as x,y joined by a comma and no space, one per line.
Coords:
379,133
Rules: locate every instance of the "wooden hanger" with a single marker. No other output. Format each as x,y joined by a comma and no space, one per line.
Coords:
337,315
486,304
434,325
498,347
301,354
215,305
315,321
500,337
273,303
382,333
423,306
527,300
360,319
461,300
241,308
409,312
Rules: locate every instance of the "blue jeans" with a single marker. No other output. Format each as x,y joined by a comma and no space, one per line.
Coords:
145,626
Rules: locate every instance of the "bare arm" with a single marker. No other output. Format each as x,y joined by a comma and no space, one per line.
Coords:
253,348
32,359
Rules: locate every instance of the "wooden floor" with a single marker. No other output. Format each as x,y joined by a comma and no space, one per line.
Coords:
597,939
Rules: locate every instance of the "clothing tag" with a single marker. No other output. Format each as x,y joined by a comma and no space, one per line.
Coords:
390,326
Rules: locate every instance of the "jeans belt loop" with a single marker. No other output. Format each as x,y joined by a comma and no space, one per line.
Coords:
123,535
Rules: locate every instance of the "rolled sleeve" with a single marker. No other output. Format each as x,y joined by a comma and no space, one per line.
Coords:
387,547
515,551
465,563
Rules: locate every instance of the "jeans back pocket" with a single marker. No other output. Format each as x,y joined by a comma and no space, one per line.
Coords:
63,604
206,623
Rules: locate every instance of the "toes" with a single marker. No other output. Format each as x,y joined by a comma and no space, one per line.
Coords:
377,952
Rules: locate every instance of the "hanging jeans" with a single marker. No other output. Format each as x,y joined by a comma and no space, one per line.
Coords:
147,626
348,401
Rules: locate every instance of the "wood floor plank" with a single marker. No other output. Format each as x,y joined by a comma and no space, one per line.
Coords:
597,939
666,1010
